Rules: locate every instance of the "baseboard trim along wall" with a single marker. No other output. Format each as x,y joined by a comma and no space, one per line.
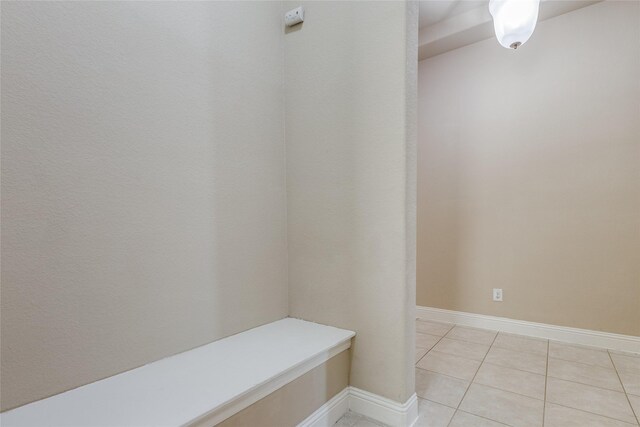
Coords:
329,413
364,403
533,329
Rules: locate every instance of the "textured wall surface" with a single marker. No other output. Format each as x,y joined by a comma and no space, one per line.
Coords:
529,174
350,77
143,184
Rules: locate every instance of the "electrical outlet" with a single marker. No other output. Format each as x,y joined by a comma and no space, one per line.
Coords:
294,16
497,294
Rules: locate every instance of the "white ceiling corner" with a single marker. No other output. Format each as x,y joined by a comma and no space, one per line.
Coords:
449,24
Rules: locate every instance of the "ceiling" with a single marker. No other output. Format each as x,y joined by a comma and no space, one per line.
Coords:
434,11
449,24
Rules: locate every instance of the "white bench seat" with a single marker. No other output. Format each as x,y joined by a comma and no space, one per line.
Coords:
204,385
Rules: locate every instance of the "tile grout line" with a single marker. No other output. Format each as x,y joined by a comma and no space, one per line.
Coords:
588,385
582,363
515,369
498,365
624,388
593,413
460,410
437,403
453,355
523,371
480,416
508,391
474,377
456,409
429,350
557,404
483,385
546,377
493,342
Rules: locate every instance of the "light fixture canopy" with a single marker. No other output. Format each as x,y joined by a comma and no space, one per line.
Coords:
514,20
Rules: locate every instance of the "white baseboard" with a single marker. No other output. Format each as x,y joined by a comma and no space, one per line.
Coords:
382,409
370,405
329,413
540,330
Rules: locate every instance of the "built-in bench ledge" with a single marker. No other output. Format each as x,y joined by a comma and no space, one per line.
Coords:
203,386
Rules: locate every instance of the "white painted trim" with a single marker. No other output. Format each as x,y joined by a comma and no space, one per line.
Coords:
533,329
329,413
202,386
370,405
384,410
252,396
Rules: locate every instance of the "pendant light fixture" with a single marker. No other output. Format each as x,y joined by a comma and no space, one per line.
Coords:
514,20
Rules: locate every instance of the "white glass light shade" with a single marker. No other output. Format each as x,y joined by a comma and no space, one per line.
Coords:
514,20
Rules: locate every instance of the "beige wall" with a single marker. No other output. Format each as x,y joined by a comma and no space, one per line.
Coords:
350,81
529,174
143,184
292,403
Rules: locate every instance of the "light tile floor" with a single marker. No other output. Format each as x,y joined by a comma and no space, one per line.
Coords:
468,377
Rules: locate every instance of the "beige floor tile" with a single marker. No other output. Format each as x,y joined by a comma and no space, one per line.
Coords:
635,404
513,380
561,416
574,353
420,352
466,349
433,328
530,362
503,406
479,336
625,353
440,388
348,419
448,364
585,374
583,388
521,343
463,419
626,363
599,401
365,422
431,414
342,423
631,382
425,340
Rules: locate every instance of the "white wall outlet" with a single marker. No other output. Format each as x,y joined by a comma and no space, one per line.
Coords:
497,294
294,16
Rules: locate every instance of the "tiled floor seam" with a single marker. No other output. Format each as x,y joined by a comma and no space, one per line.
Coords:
457,355
516,369
444,375
593,413
472,379
588,385
509,391
479,416
469,342
429,350
625,389
499,422
520,351
558,404
546,377
437,403
581,363
454,355
636,416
